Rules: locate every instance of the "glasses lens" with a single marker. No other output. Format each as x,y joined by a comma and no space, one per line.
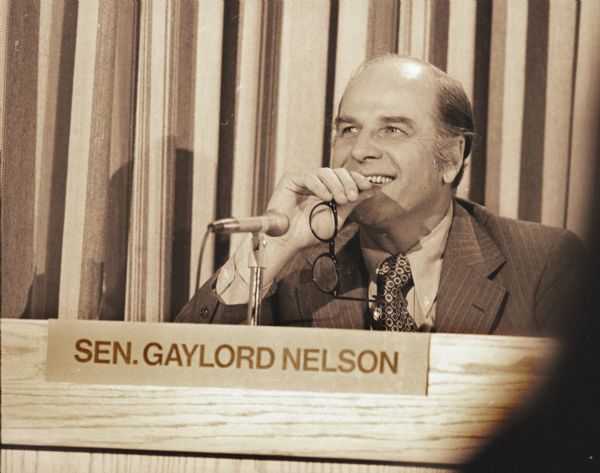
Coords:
322,222
325,273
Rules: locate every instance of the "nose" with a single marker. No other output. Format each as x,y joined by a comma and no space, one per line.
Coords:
365,148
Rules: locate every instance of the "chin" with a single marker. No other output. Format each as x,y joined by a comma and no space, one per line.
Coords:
381,211
371,212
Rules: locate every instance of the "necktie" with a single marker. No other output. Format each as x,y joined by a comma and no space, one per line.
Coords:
392,314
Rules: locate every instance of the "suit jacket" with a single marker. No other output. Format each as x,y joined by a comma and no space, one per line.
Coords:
499,276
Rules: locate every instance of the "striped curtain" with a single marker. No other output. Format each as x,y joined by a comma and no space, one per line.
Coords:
127,126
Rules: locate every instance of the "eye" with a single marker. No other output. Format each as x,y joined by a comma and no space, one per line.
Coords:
393,130
347,130
345,125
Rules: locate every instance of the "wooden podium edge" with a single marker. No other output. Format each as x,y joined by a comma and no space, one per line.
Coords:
476,384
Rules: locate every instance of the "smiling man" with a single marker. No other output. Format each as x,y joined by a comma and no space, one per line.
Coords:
408,255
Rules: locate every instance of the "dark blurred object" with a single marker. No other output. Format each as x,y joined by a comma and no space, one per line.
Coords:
561,432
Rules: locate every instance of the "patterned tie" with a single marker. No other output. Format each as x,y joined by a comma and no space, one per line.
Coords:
393,275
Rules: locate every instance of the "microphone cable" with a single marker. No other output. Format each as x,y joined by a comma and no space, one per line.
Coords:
200,256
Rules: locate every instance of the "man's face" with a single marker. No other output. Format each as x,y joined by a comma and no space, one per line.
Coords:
386,130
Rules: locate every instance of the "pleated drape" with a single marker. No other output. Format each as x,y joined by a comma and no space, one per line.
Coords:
126,127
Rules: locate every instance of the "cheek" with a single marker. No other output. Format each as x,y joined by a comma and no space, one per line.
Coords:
426,180
403,188
416,178
339,155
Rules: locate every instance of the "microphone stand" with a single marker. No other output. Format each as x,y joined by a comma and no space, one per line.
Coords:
256,263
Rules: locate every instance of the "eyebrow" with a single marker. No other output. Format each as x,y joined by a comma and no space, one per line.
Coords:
399,119
386,119
344,119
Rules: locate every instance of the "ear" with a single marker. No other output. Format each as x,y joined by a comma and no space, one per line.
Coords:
454,160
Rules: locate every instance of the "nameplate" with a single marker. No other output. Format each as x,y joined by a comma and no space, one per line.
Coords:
225,356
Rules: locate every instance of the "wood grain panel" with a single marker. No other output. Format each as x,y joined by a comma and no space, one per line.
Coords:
384,17
55,82
46,113
149,256
460,61
246,113
302,82
404,28
533,126
227,115
466,402
513,98
481,79
559,96
585,140
184,130
506,101
264,162
209,45
420,28
18,109
439,22
92,279
87,190
353,21
3,44
122,115
19,461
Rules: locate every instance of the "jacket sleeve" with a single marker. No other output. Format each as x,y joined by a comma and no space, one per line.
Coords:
205,307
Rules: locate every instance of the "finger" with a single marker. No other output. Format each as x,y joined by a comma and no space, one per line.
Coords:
348,182
361,181
308,184
315,184
331,180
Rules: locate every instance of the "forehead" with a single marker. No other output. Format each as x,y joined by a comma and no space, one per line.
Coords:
391,89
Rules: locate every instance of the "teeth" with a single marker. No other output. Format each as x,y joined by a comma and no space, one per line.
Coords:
380,179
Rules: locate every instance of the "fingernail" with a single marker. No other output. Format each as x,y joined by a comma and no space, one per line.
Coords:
352,195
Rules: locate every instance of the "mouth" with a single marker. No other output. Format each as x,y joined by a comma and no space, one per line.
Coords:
380,179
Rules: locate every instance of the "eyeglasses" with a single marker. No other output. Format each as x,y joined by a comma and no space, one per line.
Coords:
323,221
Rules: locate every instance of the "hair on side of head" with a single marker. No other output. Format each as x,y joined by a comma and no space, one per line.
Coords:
455,117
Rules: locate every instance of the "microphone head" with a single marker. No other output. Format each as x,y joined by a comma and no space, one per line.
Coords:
224,225
278,223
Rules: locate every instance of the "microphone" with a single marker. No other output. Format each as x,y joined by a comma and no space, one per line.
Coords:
272,223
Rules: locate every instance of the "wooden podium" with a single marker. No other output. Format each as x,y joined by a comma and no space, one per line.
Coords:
476,384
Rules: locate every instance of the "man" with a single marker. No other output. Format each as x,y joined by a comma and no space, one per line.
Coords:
402,135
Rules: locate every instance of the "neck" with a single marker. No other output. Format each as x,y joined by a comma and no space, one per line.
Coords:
402,235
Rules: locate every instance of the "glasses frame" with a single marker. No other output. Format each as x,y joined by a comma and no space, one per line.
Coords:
330,253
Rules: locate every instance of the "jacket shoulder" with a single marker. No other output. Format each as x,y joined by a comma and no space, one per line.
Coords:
530,239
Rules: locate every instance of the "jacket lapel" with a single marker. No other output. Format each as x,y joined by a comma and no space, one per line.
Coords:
468,301
322,310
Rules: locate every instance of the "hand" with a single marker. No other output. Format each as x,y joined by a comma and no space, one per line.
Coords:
296,194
